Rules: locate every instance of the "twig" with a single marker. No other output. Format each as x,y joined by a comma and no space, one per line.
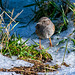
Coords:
51,69
15,17
9,17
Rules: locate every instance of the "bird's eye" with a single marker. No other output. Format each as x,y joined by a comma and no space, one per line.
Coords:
44,21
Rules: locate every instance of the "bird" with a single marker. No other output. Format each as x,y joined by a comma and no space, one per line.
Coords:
44,29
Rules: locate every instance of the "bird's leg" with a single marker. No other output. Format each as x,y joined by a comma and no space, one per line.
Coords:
50,42
40,48
40,44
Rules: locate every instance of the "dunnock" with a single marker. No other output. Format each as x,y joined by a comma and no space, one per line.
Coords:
45,29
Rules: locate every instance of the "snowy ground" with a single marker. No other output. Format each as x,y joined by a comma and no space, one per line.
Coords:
58,56
8,63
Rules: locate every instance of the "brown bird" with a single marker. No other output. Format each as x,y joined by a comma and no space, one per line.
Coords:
45,29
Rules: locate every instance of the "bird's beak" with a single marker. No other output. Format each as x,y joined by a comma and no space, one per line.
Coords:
39,23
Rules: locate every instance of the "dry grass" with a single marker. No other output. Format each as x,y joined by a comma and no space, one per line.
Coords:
5,36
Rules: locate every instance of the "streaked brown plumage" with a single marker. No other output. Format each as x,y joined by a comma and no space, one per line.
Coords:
45,29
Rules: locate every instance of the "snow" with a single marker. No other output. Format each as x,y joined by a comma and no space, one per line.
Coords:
8,73
8,63
27,32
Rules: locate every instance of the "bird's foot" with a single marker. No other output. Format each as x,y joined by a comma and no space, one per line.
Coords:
40,48
50,45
